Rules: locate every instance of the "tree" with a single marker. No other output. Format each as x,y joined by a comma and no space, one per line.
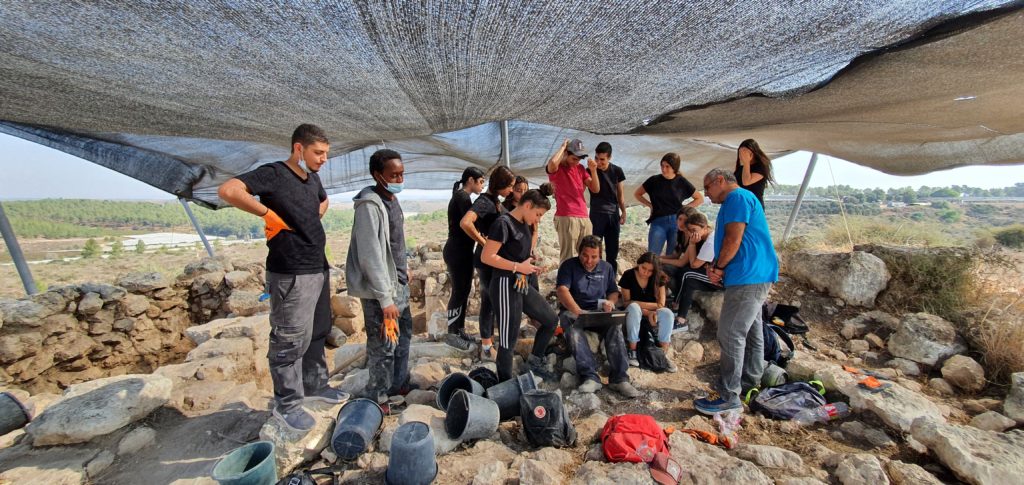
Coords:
140,247
117,248
91,249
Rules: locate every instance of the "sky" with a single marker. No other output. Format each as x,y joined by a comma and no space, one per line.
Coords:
69,177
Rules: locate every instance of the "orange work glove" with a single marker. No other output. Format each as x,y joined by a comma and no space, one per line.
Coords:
274,224
390,331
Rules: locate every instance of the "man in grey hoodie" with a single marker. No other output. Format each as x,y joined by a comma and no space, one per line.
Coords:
377,272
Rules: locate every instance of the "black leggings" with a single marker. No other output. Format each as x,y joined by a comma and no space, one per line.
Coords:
486,314
692,281
509,306
460,270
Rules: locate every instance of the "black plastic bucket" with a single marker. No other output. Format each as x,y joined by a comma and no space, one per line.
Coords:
413,446
486,377
506,394
453,383
471,417
358,422
13,414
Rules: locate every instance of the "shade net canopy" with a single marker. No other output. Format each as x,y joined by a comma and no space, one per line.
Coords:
184,95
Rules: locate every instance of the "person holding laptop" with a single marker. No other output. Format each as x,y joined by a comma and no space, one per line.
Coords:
587,284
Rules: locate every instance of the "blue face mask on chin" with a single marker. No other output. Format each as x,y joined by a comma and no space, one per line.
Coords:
394,188
304,167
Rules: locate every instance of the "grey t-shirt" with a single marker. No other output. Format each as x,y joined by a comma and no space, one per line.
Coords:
396,229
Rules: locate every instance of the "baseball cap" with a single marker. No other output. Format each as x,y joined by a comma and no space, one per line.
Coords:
576,148
665,470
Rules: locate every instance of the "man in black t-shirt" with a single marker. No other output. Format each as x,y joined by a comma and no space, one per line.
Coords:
608,206
291,202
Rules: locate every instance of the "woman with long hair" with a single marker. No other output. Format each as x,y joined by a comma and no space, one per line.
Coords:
456,249
477,224
700,252
643,292
667,193
518,189
507,250
753,168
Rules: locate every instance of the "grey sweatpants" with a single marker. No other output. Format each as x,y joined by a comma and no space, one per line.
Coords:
741,339
300,320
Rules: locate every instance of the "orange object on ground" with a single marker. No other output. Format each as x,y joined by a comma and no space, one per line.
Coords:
711,438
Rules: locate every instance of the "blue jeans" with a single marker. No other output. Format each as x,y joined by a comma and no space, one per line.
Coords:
586,363
633,317
661,236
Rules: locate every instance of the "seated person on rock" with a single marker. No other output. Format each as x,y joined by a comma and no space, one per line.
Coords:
700,251
643,293
587,284
673,265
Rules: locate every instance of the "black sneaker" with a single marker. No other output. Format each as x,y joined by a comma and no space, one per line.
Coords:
458,340
297,420
680,326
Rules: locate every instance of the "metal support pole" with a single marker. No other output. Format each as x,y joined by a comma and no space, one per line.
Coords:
505,156
800,196
195,223
16,255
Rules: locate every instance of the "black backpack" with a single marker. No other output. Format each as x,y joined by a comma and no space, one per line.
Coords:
778,346
544,420
785,401
648,353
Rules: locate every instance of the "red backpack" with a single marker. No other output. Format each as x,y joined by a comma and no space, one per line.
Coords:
634,438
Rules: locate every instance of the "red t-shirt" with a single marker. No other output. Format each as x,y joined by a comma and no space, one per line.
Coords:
568,183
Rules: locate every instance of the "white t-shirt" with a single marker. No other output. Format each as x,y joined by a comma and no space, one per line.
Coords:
707,251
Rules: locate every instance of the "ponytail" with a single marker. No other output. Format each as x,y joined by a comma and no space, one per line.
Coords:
467,174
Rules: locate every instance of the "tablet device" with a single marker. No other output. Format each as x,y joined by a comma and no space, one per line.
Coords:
598,320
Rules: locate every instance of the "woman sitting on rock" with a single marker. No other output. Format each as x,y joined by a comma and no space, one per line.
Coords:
700,251
643,292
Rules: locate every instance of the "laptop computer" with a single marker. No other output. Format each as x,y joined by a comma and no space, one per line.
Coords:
597,320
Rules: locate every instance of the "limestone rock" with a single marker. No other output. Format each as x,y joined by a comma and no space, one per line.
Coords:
237,279
856,277
599,473
925,339
336,338
992,421
96,466
51,466
350,326
708,464
90,304
349,356
1013,406
964,372
493,473
239,348
978,406
975,456
907,367
692,353
23,312
859,469
355,382
533,472
135,305
256,328
435,419
346,306
99,407
427,375
910,474
136,440
941,386
711,303
875,341
853,328
438,350
770,457
857,346
582,403
206,265
588,429
17,346
897,407
246,303
143,282
106,292
294,448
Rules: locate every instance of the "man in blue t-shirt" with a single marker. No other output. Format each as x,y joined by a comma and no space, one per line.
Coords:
587,284
747,267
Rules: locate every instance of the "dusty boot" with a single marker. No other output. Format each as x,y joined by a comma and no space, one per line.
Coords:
632,357
590,386
670,356
625,389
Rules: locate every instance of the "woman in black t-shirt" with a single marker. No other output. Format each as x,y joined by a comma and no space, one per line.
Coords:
643,292
667,193
753,168
508,251
456,249
477,224
520,188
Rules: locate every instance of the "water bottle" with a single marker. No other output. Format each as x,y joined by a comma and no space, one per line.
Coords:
822,414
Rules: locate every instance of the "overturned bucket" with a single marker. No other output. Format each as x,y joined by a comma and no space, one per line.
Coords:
453,383
413,446
486,377
506,394
13,414
471,417
357,426
252,464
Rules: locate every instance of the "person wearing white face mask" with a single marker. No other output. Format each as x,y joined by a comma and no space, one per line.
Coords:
377,272
291,202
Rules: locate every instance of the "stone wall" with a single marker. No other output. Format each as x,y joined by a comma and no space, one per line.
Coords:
77,333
